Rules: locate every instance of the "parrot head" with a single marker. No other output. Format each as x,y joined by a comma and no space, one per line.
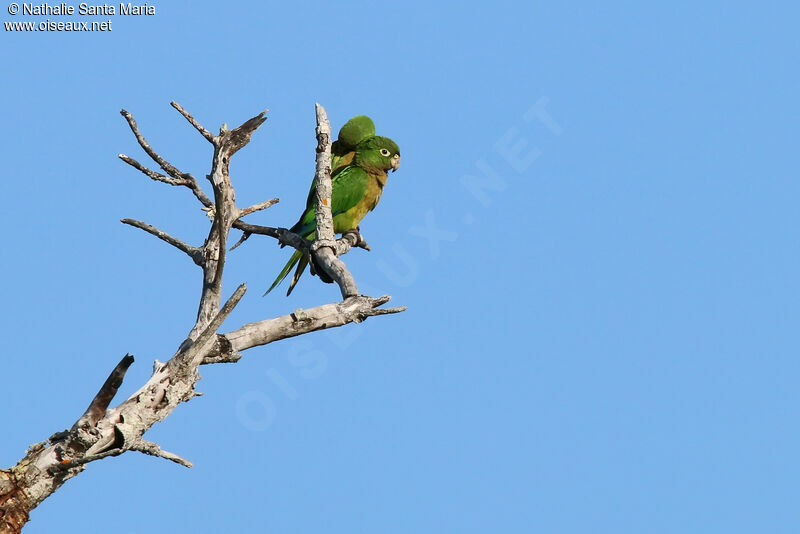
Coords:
378,153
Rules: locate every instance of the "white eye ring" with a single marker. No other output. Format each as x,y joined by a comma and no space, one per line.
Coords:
384,152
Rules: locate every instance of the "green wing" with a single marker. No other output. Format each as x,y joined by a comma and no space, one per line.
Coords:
349,187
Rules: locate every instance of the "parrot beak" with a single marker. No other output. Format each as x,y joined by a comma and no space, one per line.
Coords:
395,162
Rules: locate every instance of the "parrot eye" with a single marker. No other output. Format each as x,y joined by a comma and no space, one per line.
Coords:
385,152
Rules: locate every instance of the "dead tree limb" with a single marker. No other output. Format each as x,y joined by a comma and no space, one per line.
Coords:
102,431
194,252
324,246
99,405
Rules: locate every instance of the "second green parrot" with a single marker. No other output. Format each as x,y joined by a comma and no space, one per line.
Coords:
356,130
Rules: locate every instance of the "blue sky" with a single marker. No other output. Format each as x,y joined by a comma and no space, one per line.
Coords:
595,229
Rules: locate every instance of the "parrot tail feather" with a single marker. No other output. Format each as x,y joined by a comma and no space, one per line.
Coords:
301,266
285,272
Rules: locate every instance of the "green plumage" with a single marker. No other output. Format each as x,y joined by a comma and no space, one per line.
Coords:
356,190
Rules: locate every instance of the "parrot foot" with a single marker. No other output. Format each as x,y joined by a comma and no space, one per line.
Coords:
317,271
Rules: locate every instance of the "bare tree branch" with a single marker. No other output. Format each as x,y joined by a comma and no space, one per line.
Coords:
192,354
148,447
257,207
157,176
245,236
324,189
324,247
164,164
195,253
350,239
97,408
199,127
283,235
351,310
178,177
225,146
83,460
103,432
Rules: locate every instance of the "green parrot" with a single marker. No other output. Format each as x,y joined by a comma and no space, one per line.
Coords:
354,131
356,190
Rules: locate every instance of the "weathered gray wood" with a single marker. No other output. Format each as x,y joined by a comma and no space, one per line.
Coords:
199,127
97,408
324,247
352,310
